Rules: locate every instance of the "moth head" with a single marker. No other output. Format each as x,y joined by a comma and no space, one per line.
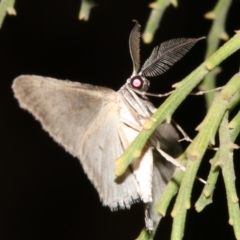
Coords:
139,83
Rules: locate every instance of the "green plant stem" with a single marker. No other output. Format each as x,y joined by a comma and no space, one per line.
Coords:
217,32
6,6
196,150
145,235
166,110
158,8
234,102
207,192
171,189
206,196
226,163
234,126
85,9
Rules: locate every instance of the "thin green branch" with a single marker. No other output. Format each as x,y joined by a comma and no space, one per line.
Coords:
207,192
171,189
234,126
6,6
166,110
217,32
196,150
145,235
205,198
175,182
85,9
179,224
158,8
234,101
226,164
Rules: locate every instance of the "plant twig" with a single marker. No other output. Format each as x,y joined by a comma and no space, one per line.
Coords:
6,6
207,192
226,163
205,198
158,8
145,235
217,32
85,9
171,189
196,150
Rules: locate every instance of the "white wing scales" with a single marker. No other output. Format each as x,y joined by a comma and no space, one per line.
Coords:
83,119
129,126
62,107
105,146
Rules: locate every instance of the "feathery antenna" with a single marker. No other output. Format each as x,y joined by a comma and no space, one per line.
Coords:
134,43
165,55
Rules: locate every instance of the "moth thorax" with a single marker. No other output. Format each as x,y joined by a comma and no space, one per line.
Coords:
139,83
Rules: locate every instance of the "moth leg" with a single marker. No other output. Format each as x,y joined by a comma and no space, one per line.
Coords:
169,158
131,124
186,137
206,91
175,162
148,220
144,94
181,130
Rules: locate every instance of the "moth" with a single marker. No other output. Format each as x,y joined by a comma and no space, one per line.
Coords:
96,124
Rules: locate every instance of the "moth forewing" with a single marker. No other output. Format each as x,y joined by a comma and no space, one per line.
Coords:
83,119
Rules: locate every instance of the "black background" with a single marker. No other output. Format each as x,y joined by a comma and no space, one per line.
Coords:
44,193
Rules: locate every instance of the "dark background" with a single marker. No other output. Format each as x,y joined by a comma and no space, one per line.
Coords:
44,193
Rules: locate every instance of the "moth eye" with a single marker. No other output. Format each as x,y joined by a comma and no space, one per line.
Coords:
137,82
